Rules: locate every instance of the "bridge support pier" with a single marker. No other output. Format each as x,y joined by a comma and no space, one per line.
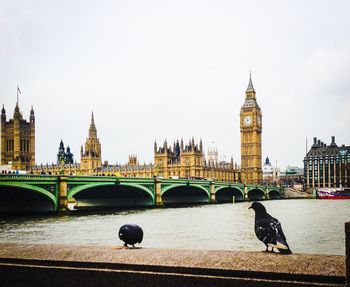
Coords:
62,193
212,192
158,189
267,193
246,198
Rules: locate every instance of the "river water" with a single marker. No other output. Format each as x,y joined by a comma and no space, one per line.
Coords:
311,226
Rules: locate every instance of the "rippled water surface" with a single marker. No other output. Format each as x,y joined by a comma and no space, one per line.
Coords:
311,226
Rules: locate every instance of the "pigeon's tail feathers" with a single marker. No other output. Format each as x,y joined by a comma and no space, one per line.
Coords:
285,251
280,245
283,247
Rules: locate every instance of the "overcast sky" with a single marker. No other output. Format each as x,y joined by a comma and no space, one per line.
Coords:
154,70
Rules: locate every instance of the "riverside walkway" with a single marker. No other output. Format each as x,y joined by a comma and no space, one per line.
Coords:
62,265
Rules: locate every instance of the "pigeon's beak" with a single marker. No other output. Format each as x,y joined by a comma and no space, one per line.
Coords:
249,207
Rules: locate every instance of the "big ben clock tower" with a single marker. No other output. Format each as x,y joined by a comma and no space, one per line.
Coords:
251,128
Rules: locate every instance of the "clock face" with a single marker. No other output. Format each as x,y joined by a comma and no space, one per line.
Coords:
247,120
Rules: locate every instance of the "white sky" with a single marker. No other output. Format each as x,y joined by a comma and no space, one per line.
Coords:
170,69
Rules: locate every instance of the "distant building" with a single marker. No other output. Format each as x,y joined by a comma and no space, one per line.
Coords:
133,160
267,167
69,156
293,175
64,156
327,166
91,161
180,160
187,161
294,171
212,155
270,174
18,139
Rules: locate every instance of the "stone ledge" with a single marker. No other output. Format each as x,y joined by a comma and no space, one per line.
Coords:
189,267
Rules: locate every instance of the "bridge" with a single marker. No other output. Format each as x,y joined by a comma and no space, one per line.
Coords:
27,193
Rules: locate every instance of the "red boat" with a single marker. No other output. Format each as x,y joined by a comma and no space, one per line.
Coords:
333,193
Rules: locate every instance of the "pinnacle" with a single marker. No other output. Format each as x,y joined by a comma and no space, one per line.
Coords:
250,85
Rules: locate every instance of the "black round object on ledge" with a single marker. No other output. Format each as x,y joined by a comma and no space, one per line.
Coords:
130,234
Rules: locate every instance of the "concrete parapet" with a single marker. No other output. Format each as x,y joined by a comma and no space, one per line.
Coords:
60,265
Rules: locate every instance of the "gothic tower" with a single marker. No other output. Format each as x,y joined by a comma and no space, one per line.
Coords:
18,139
61,154
179,160
213,155
64,156
91,158
251,129
192,160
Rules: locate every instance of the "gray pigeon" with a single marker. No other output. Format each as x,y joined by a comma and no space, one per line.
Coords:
269,230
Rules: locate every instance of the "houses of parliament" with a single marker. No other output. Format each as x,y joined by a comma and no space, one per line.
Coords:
176,160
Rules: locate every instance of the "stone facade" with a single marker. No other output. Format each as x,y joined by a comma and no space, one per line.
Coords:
176,161
188,161
18,139
327,165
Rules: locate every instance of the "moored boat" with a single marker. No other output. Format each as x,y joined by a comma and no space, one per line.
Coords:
333,193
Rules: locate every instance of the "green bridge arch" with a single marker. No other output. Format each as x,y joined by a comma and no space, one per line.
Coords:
166,188
53,199
253,193
228,197
185,184
271,193
75,190
230,186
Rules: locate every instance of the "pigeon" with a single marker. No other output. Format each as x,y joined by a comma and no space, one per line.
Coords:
130,234
269,230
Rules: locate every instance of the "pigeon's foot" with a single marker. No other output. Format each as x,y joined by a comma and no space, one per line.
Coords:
267,249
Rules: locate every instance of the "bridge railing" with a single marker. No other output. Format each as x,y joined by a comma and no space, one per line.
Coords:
27,176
